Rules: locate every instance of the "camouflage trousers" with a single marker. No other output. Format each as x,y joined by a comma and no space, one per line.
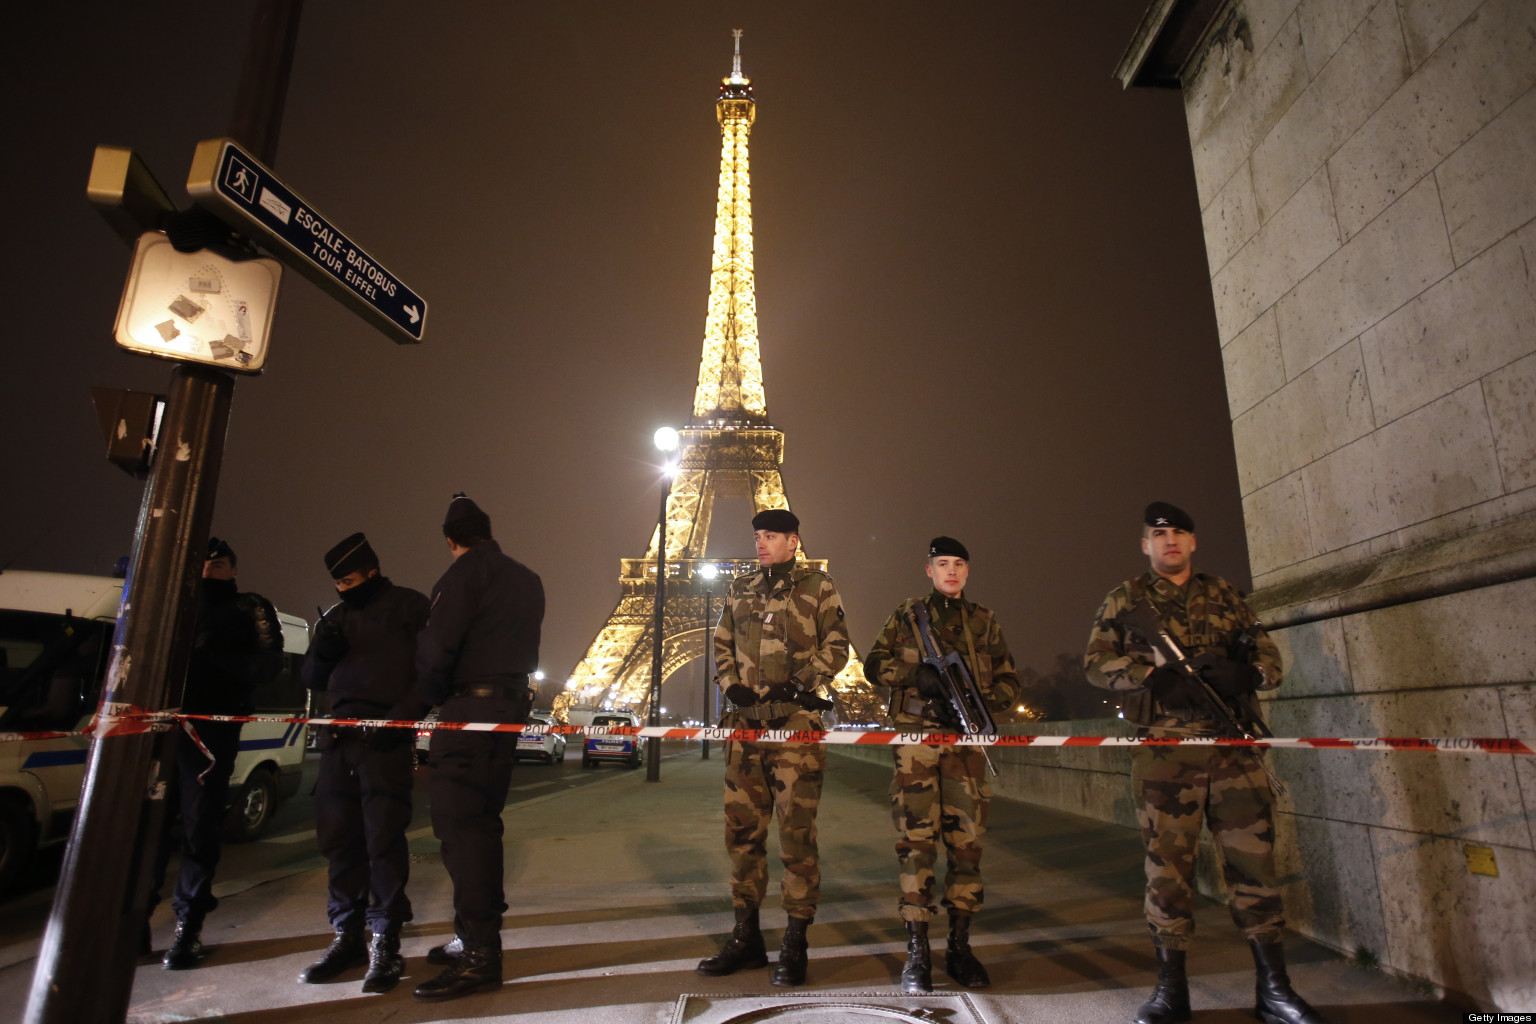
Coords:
939,794
1178,788
767,779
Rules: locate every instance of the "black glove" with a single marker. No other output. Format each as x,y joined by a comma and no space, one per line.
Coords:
384,740
1175,692
1230,679
928,682
331,644
781,692
742,696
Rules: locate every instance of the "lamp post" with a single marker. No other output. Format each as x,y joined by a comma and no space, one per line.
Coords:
709,572
666,442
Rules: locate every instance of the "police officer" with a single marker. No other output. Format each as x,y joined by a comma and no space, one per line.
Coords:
1178,787
780,638
475,657
940,793
364,659
238,647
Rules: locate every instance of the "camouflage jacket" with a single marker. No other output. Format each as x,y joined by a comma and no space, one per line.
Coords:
1204,614
896,654
787,628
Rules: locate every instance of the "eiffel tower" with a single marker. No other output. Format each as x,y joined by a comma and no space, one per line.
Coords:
729,449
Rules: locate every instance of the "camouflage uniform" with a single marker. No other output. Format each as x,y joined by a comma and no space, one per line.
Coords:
940,792
783,626
1179,787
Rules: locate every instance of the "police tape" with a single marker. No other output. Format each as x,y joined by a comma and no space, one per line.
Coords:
124,720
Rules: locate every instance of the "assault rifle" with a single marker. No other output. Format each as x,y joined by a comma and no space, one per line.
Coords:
1143,621
964,708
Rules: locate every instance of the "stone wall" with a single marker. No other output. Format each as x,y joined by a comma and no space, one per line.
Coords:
1366,172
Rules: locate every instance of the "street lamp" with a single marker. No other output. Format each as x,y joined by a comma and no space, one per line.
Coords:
709,572
666,442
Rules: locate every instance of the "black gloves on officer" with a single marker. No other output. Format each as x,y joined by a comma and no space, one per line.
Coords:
928,682
741,695
331,644
1175,692
1230,679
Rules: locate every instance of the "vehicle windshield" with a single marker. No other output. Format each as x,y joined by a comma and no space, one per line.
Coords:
610,720
49,667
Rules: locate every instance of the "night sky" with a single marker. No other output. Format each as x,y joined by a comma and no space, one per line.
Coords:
982,293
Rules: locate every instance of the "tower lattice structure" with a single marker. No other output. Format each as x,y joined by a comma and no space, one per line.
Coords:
729,449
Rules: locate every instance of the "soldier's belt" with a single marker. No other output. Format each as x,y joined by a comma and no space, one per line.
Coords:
512,686
768,712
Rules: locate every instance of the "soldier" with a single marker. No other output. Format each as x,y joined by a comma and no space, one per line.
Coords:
940,793
364,658
239,646
780,637
475,657
1178,787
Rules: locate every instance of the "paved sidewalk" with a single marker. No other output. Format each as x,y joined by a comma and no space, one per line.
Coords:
619,888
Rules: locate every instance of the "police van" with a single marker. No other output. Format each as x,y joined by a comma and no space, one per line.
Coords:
55,641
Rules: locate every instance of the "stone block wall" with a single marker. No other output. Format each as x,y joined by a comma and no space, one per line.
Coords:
1366,173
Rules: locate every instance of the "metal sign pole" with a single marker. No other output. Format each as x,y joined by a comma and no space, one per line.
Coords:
85,965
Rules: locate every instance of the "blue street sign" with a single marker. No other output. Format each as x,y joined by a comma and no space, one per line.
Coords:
227,180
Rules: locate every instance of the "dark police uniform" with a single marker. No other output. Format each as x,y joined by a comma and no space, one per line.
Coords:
474,658
363,797
238,647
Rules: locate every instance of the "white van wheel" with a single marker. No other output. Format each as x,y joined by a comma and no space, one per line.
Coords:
253,810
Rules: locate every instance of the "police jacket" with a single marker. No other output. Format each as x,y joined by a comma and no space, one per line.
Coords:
376,677
484,626
238,647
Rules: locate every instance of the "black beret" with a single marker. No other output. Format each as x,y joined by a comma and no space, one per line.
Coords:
776,520
352,555
464,516
947,546
219,548
1160,513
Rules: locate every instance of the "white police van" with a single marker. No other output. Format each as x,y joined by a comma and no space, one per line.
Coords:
55,640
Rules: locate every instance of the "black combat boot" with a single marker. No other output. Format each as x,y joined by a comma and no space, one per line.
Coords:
1274,1002
917,975
959,962
346,951
790,970
186,948
1170,1000
447,953
476,969
743,950
385,964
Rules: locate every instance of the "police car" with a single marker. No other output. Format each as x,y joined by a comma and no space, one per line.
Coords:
55,642
624,749
537,743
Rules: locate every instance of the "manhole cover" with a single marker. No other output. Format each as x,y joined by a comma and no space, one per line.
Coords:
812,1008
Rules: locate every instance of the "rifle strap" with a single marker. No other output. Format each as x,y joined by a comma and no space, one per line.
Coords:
970,644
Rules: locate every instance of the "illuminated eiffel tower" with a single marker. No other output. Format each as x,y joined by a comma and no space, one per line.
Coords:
729,449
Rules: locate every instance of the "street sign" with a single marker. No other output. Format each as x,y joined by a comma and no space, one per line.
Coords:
201,307
226,180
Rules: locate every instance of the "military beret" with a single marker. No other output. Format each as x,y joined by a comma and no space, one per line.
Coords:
776,520
947,546
352,555
465,517
1160,513
219,548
